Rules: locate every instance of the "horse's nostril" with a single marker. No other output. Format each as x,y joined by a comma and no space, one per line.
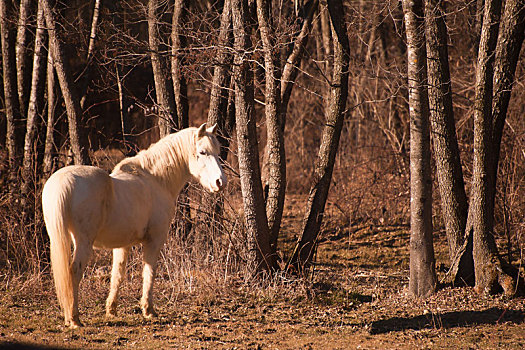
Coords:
219,183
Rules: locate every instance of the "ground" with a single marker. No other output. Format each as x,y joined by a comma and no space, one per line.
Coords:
356,299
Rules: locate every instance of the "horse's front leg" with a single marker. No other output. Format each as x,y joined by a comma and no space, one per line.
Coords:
120,258
151,250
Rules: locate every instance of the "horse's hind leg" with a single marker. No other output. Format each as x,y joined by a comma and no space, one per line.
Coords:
151,253
120,257
81,255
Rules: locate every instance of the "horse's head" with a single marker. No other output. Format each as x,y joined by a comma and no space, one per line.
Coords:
204,163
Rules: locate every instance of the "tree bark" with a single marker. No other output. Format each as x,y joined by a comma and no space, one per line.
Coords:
303,253
221,89
217,112
293,61
91,50
178,45
487,267
10,97
254,212
72,102
37,85
423,280
489,270
454,202
274,120
510,40
164,99
49,147
22,41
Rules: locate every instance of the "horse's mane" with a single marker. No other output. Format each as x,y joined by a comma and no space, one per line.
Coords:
166,159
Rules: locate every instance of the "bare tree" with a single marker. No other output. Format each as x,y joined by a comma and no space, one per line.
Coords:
49,144
86,76
423,280
37,84
178,45
164,98
9,80
220,85
274,120
448,165
50,123
489,270
255,218
72,102
303,253
22,41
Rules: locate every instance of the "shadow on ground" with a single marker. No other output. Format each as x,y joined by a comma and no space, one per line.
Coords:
448,320
26,346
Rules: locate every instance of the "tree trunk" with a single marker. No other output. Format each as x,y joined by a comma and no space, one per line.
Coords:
303,254
37,85
72,102
423,280
488,272
254,212
91,50
212,205
10,97
164,99
454,202
22,43
507,53
49,147
274,120
178,45
291,67
217,112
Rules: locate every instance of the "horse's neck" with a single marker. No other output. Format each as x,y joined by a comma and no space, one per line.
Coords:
165,163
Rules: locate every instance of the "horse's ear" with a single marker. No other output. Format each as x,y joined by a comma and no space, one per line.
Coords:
201,131
212,129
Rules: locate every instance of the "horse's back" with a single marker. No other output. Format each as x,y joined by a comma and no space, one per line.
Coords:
82,194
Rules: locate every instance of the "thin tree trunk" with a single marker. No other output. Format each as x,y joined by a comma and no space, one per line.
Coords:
178,45
221,90
10,97
91,50
303,254
489,272
217,112
37,85
180,92
49,147
254,212
274,120
164,99
510,40
423,280
450,175
486,263
293,61
72,102
22,43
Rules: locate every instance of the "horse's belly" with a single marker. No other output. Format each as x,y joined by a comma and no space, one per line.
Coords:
111,238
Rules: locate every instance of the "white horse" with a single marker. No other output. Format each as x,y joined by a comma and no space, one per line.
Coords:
134,204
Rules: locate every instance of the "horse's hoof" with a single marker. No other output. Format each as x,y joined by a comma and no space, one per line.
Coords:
111,312
149,314
74,324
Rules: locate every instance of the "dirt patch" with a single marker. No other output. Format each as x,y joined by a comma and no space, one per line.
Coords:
355,299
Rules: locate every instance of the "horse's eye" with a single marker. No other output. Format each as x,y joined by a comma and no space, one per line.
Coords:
202,152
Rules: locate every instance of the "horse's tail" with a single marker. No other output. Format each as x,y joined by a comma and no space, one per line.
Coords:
55,206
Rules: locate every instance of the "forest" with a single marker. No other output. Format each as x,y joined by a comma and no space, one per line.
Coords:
375,156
